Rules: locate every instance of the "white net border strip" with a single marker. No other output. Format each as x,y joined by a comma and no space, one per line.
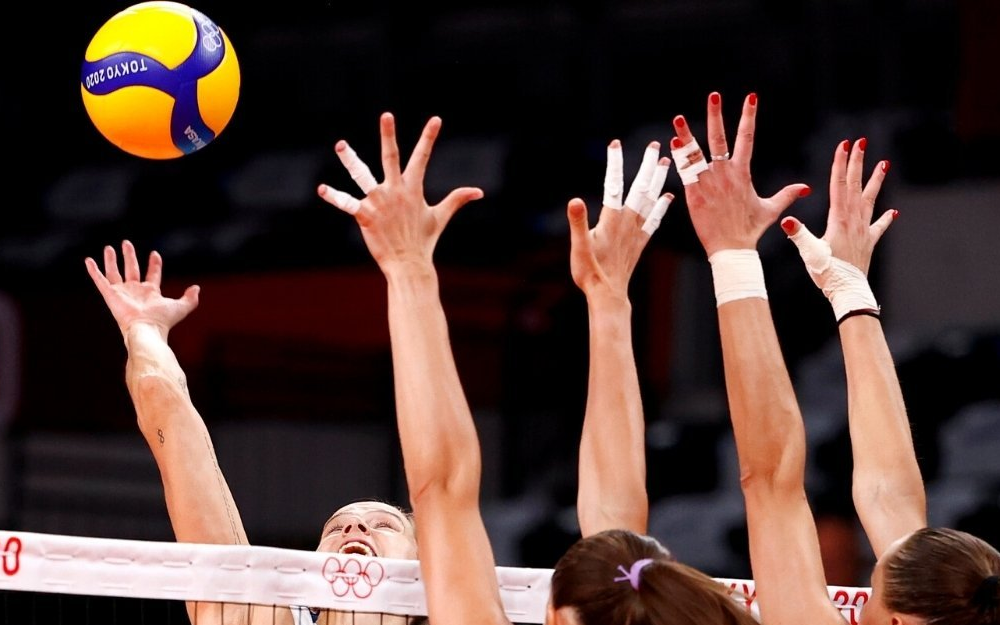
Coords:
50,563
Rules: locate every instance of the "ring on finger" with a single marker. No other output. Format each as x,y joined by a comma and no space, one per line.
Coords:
720,157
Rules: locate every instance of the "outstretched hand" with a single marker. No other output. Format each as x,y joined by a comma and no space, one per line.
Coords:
850,234
603,258
726,211
398,225
133,300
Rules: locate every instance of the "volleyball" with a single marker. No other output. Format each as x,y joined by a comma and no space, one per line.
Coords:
160,80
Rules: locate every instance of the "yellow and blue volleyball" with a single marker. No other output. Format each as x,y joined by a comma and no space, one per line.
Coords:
160,80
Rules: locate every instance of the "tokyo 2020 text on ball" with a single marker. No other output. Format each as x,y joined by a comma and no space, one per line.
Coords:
160,80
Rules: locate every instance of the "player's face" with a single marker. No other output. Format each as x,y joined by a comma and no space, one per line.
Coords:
370,528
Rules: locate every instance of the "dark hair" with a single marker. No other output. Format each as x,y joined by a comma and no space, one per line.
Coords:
945,577
666,593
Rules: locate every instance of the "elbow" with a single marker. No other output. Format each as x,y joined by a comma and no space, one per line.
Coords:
785,474
454,485
154,384
874,495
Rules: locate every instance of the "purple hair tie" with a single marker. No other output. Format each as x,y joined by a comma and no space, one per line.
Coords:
633,574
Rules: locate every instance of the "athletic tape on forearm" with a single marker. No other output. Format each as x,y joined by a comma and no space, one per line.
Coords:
844,285
737,274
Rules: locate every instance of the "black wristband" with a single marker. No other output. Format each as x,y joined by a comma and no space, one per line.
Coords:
855,313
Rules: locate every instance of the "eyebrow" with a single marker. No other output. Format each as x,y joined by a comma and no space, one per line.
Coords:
394,515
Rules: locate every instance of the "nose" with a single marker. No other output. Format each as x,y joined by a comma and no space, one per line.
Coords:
356,525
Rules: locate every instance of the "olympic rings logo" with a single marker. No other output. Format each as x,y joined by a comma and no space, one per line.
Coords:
351,577
211,36
12,556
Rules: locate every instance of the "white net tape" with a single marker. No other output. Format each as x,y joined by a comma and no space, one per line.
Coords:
238,574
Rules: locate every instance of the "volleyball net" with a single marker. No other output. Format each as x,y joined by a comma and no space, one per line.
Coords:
49,578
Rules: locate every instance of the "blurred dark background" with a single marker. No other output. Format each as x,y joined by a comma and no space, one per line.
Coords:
288,356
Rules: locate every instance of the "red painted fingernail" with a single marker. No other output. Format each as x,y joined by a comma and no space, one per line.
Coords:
679,121
895,213
862,143
753,99
787,225
805,191
675,143
846,145
714,98
885,167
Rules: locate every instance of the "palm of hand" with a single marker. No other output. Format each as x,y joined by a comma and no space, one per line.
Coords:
615,245
398,225
134,301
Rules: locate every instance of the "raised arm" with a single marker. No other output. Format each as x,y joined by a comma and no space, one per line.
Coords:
440,447
199,502
612,480
887,486
729,219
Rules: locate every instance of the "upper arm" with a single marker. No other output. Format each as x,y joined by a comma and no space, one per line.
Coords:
888,516
456,561
785,558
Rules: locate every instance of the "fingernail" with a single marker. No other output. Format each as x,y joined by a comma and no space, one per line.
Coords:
753,99
787,226
885,167
895,213
675,143
846,145
615,143
714,98
805,191
862,143
679,121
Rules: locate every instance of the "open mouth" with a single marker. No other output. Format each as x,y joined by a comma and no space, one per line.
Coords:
357,547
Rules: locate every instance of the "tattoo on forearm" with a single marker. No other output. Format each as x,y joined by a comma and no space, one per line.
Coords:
159,433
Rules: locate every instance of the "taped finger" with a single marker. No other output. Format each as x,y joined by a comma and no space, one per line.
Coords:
359,171
656,214
690,160
613,176
344,201
640,186
656,186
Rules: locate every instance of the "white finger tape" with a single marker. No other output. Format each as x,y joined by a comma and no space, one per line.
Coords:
690,161
614,185
656,215
640,186
344,201
656,186
359,171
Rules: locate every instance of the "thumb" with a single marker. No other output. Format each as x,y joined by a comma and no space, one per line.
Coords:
784,198
190,297
882,224
579,229
791,225
815,252
456,200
